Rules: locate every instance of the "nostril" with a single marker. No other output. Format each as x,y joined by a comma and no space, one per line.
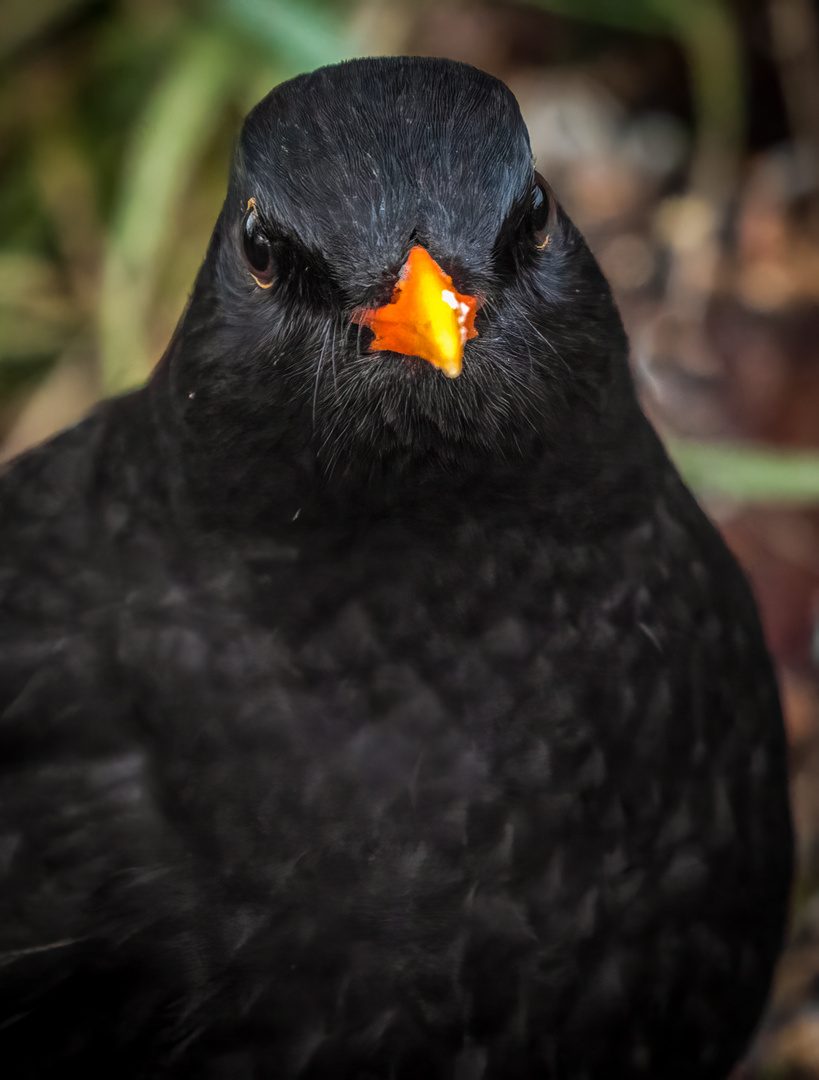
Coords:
362,337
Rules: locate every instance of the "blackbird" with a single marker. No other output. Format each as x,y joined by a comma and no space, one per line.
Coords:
376,700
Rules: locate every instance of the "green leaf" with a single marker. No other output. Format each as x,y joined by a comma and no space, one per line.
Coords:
747,473
175,127
298,35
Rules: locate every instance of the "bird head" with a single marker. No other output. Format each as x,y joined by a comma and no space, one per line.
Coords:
390,281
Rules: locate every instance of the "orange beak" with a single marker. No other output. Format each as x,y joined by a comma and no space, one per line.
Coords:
426,317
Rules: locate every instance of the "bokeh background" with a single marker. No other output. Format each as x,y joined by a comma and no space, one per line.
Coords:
681,135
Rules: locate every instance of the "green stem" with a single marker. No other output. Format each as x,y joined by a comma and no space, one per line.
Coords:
747,473
175,127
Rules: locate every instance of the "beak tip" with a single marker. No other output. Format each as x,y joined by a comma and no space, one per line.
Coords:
426,316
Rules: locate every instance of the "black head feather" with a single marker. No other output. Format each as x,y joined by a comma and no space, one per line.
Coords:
337,174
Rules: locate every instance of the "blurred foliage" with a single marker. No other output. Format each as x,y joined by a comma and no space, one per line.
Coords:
707,32
116,124
747,473
107,113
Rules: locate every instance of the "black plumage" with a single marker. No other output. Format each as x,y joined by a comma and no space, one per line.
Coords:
363,722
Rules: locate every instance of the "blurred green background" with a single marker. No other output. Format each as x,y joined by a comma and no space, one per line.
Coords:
682,136
117,120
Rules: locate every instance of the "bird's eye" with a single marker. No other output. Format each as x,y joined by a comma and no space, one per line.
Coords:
258,253
543,211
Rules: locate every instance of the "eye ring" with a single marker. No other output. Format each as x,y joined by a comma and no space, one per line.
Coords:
257,250
543,211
